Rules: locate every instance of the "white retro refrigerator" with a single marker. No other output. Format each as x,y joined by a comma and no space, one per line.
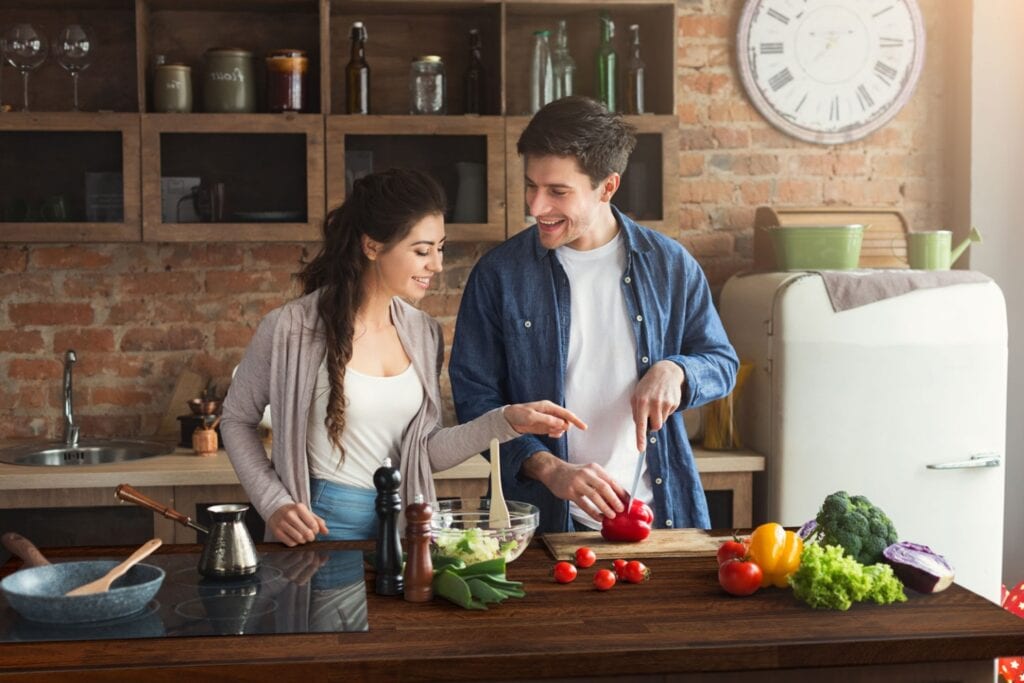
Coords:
902,400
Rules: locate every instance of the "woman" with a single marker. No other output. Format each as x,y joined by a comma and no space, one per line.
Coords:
350,371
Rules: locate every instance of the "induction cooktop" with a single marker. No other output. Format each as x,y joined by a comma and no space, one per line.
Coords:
299,591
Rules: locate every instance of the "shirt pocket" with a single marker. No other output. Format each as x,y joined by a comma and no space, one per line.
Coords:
531,343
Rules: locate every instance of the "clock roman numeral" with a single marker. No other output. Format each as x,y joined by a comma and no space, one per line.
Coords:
771,48
776,14
882,11
885,72
833,109
890,42
780,79
864,97
800,103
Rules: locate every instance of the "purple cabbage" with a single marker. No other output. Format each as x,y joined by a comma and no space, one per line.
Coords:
807,529
919,567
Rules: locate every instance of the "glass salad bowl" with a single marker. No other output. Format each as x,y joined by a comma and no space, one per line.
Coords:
459,529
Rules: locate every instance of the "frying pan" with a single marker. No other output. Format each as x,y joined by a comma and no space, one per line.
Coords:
38,592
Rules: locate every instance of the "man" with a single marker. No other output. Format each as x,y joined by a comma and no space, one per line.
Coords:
592,311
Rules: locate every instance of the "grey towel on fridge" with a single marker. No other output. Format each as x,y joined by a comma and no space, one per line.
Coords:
852,288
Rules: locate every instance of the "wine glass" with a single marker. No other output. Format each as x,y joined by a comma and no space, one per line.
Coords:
26,50
73,50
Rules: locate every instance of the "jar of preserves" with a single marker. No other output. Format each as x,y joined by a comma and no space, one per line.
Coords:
286,80
172,88
228,85
427,86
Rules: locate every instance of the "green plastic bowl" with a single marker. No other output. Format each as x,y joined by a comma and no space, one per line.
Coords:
825,247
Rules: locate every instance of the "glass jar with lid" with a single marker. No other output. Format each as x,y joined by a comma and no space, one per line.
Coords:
286,80
427,86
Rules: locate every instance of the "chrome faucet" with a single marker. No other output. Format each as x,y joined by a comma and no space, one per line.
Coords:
70,428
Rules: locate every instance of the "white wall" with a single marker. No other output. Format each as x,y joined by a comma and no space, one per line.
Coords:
997,208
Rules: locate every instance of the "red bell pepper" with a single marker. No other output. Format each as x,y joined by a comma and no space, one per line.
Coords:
630,525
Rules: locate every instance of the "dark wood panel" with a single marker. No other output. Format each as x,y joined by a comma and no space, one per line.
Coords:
680,621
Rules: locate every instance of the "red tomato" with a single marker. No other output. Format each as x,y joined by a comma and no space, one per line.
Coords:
565,572
585,557
604,579
636,572
731,550
620,568
740,577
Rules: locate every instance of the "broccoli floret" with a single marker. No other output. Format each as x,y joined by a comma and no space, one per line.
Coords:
853,522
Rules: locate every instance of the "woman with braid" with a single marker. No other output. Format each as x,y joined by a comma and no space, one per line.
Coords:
350,372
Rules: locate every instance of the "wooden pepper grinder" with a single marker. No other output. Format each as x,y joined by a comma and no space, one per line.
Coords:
419,570
389,543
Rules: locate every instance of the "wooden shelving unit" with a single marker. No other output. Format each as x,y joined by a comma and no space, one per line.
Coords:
291,168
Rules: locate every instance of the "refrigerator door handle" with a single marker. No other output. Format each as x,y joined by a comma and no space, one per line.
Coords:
984,460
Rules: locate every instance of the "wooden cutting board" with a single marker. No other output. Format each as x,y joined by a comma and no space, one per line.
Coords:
661,543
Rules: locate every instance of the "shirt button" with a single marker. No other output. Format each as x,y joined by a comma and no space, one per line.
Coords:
639,318
668,522
645,359
528,324
654,439
627,279
658,481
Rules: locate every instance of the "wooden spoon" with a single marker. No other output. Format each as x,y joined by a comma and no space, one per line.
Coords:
498,518
102,584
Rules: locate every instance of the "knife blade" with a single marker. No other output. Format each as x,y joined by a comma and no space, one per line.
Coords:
636,478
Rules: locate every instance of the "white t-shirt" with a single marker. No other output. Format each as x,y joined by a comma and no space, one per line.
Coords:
601,372
377,412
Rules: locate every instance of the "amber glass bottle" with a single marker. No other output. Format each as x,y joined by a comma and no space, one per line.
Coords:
474,81
357,74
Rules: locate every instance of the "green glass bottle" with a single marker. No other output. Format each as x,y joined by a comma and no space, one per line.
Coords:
606,64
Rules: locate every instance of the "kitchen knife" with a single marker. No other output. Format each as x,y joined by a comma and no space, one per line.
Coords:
636,478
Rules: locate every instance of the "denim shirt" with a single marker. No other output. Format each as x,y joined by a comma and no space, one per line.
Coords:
512,340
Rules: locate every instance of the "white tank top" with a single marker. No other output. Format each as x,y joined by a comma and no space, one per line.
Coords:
377,412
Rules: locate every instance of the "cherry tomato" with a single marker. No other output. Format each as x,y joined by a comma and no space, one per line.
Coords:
636,572
565,572
740,577
731,550
620,569
585,557
604,579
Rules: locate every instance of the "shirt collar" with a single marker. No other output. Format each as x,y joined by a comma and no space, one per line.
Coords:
634,238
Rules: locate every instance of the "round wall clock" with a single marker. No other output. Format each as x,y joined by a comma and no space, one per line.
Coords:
830,71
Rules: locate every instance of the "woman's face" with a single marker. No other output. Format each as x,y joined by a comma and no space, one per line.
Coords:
407,268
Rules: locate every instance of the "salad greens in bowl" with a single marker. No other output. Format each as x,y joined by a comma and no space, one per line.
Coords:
460,530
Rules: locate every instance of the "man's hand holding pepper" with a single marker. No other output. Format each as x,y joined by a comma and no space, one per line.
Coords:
589,486
657,395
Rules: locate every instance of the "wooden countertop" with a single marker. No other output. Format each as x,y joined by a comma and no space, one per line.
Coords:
680,621
184,468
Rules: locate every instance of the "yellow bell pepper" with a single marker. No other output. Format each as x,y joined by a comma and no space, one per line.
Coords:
777,552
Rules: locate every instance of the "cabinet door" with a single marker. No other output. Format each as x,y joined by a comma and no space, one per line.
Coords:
69,177
248,177
649,189
464,154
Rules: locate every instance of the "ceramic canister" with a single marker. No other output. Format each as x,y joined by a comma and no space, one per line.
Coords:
172,88
228,85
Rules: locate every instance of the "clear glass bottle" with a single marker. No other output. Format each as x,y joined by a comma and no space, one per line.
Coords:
634,95
474,81
357,73
427,86
542,75
606,66
562,62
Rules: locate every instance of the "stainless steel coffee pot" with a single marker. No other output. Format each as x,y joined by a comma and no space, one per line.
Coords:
229,551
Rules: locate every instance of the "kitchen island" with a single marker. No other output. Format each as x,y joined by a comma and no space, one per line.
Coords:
679,623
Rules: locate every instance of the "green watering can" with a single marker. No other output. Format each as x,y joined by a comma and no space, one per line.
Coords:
933,250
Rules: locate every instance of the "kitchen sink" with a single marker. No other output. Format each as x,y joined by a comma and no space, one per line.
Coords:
86,452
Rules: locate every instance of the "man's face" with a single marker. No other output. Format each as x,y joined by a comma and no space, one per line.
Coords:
560,196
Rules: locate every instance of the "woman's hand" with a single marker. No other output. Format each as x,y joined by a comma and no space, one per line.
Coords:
541,417
293,524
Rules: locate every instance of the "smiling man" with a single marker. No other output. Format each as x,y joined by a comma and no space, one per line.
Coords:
606,317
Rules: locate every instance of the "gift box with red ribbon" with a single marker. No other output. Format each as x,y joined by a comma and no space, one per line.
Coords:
1012,668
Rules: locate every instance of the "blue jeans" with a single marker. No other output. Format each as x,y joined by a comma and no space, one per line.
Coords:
349,512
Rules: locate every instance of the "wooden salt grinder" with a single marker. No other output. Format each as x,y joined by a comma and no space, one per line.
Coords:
389,544
419,570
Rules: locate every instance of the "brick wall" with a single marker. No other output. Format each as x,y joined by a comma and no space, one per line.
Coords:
138,314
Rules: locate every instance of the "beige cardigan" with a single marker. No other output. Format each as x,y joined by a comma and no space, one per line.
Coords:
279,369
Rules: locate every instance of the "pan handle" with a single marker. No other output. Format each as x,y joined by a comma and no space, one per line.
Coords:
23,548
130,495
